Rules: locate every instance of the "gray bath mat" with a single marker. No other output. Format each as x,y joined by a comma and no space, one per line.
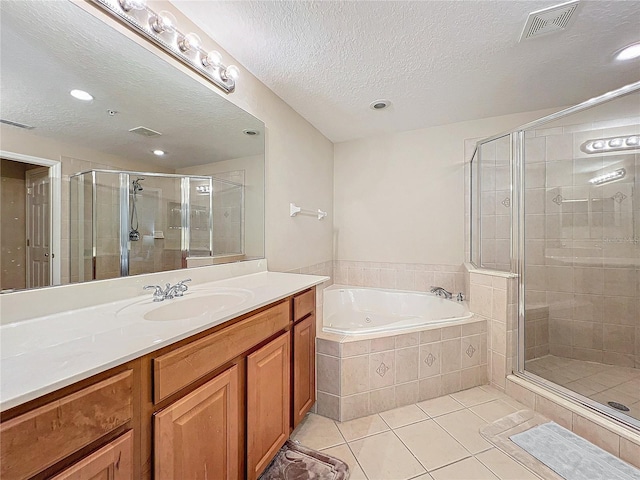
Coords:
571,456
295,462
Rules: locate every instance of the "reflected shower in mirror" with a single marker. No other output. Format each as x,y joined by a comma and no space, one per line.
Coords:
134,150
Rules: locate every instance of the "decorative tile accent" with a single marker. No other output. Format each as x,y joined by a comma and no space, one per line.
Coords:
506,202
382,369
619,197
470,351
430,359
558,199
226,214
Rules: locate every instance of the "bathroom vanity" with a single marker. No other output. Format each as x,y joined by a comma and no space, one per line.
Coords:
221,401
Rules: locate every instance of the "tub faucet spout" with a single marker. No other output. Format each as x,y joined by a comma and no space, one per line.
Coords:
441,292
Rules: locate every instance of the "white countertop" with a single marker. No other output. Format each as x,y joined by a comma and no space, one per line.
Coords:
43,354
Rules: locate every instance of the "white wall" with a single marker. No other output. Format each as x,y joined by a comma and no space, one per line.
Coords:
299,167
399,198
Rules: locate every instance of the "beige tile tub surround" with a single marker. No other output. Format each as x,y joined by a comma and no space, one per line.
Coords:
492,296
356,378
416,277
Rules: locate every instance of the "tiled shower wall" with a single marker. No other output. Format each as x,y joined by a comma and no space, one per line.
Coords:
583,247
582,244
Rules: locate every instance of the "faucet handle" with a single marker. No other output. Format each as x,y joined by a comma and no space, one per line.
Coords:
460,297
180,287
158,294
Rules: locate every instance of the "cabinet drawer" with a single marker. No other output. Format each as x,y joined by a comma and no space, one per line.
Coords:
46,435
113,461
304,304
177,369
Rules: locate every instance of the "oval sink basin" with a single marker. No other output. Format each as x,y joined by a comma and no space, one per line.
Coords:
195,305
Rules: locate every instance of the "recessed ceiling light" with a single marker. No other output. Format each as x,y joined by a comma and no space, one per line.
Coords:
629,52
81,95
159,152
251,132
379,104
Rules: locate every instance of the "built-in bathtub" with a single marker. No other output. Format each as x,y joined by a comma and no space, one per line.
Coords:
362,311
415,346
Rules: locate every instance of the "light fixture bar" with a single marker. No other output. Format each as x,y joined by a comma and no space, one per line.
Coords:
611,144
608,177
160,28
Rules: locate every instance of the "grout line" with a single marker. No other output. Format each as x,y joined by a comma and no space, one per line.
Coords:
357,461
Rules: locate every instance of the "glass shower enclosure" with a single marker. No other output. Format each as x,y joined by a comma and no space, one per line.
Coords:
127,223
556,202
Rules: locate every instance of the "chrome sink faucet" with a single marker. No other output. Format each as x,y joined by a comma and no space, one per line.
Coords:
176,290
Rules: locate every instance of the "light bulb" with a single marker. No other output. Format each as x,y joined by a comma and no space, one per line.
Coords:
615,142
128,5
633,141
599,145
159,153
190,41
163,22
212,59
231,72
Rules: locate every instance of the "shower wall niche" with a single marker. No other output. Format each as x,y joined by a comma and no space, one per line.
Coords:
128,223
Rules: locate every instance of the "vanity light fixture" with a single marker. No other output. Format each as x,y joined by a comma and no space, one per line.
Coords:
608,177
161,28
163,22
629,52
81,95
159,153
203,189
611,144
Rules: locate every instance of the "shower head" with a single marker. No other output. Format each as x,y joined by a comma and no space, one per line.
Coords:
136,184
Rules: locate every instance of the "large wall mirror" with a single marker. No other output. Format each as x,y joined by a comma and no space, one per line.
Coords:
154,171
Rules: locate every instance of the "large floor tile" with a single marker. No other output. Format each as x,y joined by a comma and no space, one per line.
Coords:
493,410
433,446
362,427
440,406
317,432
343,452
384,457
475,395
469,469
504,466
465,426
402,416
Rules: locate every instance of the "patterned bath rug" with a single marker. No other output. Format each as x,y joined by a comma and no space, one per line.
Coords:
296,462
571,456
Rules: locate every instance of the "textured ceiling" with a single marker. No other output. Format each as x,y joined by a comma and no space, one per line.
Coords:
51,47
437,61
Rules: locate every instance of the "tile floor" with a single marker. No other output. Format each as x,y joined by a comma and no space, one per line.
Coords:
602,383
433,440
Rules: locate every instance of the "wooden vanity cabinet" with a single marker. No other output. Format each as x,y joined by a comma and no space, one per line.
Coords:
198,435
268,400
217,405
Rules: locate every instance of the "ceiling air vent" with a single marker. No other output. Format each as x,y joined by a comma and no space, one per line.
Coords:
549,20
16,124
145,132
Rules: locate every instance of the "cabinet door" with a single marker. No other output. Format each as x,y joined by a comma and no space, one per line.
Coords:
197,437
111,462
304,368
268,403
